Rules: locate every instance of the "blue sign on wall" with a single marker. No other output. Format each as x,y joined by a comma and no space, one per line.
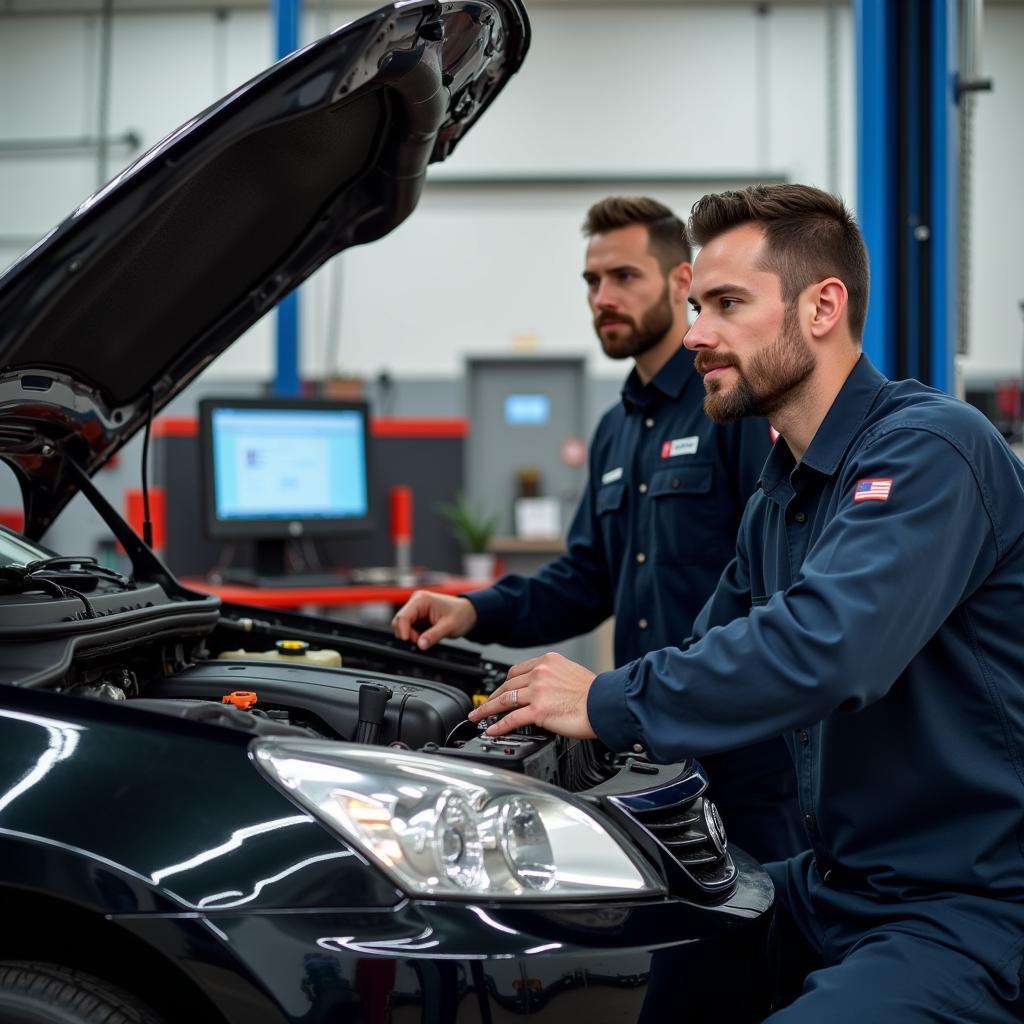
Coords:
527,410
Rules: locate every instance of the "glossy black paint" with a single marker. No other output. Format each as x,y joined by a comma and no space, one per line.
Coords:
167,814
614,964
165,829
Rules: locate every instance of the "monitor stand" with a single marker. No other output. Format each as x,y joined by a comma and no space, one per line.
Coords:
271,569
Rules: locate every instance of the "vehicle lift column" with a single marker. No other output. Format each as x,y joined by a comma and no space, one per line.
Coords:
287,383
907,184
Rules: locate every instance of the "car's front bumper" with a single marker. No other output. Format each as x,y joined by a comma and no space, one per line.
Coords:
448,962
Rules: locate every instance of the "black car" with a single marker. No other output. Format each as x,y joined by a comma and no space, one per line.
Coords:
189,833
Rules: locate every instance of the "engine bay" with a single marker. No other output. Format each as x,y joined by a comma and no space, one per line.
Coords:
363,688
71,626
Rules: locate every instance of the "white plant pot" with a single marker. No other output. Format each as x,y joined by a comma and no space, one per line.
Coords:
478,565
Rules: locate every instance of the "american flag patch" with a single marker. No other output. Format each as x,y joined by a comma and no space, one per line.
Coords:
872,490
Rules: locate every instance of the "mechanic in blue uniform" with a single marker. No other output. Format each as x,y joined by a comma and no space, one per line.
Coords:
872,613
658,520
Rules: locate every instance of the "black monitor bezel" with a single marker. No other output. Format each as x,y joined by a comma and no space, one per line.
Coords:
279,528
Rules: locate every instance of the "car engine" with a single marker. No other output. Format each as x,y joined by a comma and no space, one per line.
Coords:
72,626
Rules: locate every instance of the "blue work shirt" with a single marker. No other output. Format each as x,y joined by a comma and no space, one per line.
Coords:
653,531
873,614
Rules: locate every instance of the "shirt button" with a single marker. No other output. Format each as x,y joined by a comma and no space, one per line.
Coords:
641,557
649,422
804,736
638,748
642,488
642,623
801,517
809,823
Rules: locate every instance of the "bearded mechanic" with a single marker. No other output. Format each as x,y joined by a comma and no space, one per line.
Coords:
871,614
657,522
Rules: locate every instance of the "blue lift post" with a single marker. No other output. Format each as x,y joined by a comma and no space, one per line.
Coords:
286,379
907,183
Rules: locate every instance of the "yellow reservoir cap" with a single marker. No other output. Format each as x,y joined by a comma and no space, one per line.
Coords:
309,656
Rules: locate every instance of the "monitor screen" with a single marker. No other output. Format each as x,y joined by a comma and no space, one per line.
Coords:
284,467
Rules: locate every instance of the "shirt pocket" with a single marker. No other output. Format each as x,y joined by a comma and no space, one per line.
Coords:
686,521
610,504
609,498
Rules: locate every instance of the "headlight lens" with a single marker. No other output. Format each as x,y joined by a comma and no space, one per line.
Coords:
446,827
525,844
444,840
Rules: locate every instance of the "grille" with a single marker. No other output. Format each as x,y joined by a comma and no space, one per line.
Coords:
692,833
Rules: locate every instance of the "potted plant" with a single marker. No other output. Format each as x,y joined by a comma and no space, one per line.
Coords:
473,529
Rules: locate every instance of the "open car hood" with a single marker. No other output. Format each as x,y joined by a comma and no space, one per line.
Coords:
124,303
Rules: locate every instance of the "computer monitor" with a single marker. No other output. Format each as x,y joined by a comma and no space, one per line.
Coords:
277,469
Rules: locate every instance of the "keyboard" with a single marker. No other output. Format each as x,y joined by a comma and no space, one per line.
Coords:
376,577
291,581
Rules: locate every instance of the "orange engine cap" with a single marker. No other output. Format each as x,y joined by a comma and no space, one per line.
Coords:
242,699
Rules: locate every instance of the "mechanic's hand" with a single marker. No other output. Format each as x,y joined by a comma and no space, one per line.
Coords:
448,617
549,691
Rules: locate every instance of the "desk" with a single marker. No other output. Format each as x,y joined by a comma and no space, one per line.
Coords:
327,597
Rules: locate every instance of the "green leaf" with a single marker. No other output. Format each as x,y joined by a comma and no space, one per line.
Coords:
470,526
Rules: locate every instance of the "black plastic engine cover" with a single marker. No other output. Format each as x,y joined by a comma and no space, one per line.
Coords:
533,755
327,699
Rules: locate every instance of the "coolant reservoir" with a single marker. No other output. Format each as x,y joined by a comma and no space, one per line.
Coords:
288,650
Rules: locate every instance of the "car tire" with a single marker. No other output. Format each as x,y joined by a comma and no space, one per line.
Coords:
40,993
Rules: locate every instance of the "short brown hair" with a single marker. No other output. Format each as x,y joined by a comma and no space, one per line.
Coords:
667,241
808,235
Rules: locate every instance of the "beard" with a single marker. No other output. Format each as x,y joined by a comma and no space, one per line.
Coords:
654,324
771,378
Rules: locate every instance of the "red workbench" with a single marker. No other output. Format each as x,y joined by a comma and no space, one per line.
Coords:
357,593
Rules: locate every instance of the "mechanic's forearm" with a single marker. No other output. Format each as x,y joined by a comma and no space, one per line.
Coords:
528,611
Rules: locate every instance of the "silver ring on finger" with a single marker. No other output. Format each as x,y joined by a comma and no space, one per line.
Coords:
513,697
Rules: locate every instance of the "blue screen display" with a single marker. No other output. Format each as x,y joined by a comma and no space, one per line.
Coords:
527,410
289,464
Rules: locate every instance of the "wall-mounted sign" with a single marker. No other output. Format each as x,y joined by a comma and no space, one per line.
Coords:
527,410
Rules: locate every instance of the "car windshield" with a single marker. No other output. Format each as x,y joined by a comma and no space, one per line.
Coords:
16,550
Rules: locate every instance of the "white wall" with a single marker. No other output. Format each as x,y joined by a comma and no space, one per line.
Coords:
612,92
996,319
603,93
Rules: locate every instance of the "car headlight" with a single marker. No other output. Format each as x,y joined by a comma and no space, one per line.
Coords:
443,827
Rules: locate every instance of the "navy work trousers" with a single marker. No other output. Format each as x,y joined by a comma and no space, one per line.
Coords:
847,958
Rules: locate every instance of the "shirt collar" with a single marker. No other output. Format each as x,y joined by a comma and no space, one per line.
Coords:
837,430
668,382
